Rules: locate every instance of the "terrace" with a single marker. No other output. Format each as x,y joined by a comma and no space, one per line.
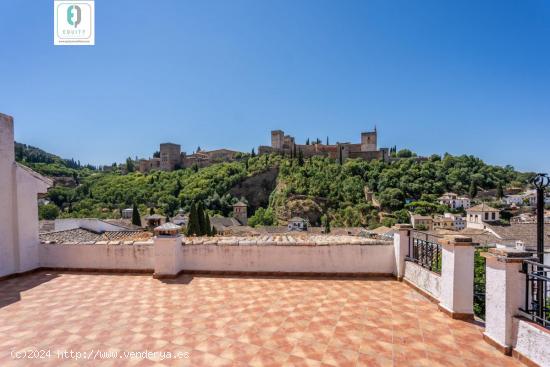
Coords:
233,321
256,301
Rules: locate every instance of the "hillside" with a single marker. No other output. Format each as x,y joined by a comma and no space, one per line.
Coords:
65,172
285,187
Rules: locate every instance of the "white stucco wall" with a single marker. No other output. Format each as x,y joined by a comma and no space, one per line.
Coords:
139,256
424,279
314,259
377,259
8,220
532,341
19,187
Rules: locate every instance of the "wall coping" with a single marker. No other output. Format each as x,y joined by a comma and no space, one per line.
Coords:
318,240
508,255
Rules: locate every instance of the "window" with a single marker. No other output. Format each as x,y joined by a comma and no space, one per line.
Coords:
486,216
494,216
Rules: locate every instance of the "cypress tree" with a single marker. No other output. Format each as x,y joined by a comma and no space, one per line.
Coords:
192,225
473,190
500,191
327,223
208,225
136,219
201,220
300,158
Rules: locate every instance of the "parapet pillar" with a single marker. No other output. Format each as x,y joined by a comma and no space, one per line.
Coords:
168,252
401,248
457,277
504,294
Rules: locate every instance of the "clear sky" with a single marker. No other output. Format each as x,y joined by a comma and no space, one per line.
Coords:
434,76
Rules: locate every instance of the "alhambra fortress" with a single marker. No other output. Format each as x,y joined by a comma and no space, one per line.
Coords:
171,156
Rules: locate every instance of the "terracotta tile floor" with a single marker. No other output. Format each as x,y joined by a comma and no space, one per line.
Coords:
223,321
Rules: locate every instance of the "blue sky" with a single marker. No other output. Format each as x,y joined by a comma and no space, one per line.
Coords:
434,76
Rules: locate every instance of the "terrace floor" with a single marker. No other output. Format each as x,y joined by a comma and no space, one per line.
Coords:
232,321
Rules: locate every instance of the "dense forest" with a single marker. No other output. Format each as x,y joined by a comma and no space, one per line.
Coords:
315,188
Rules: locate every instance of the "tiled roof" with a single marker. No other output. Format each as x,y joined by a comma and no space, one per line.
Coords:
84,235
526,232
482,208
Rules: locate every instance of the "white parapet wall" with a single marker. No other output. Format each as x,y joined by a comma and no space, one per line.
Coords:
138,256
531,342
423,279
328,255
367,259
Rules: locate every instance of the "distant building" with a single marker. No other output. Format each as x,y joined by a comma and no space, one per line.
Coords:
298,224
442,222
367,149
459,222
454,201
171,158
240,212
154,220
528,198
127,213
422,222
479,215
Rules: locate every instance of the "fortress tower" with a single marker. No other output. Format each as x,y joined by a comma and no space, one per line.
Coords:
369,141
277,137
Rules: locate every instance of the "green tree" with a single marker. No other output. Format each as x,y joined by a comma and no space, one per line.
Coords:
392,199
262,217
201,219
473,190
404,153
208,225
300,158
326,223
253,153
500,191
48,211
136,219
193,223
130,167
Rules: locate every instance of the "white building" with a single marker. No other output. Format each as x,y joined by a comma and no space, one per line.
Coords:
19,189
459,222
297,224
454,201
477,216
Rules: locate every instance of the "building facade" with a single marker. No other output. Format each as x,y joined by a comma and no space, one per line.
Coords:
480,215
454,201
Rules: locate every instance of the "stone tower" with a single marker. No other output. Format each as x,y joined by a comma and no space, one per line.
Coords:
369,141
240,212
170,156
277,137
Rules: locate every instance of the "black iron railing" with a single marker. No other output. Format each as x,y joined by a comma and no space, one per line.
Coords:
425,250
537,292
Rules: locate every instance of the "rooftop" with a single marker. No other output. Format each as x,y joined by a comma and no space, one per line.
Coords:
482,208
84,235
234,321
